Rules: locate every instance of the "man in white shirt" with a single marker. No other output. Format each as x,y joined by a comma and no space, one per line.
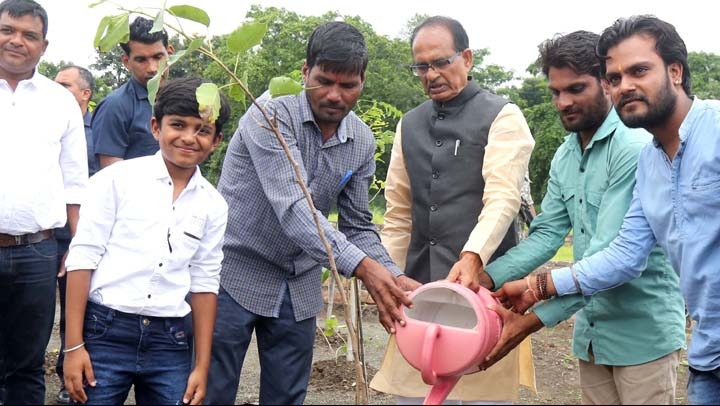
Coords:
43,171
151,231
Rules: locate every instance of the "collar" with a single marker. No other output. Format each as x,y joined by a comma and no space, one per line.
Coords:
159,171
688,123
33,80
468,93
606,129
87,119
307,116
141,93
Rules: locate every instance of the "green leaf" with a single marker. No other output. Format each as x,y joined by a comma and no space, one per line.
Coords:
191,13
246,37
209,104
331,326
284,86
153,85
102,27
194,45
159,24
325,275
236,93
117,31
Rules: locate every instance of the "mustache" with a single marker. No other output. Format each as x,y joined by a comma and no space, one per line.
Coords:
629,98
333,105
570,110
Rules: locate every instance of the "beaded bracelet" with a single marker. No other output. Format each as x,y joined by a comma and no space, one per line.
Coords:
542,284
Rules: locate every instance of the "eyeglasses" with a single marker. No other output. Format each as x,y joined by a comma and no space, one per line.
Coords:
421,69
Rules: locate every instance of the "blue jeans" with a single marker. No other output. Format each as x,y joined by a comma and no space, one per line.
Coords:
704,387
285,347
128,349
62,235
27,312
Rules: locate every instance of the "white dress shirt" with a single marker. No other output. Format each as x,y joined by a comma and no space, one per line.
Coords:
43,155
147,252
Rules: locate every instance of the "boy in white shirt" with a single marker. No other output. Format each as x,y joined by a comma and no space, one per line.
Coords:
151,230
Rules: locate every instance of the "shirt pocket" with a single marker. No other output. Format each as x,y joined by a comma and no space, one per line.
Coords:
567,194
594,200
186,238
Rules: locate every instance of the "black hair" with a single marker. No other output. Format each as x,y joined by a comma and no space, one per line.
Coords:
178,97
575,51
21,8
460,37
140,32
84,74
337,47
668,44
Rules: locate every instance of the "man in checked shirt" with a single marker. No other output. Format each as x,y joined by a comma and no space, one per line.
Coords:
270,282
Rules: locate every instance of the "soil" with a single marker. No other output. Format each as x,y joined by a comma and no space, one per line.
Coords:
333,379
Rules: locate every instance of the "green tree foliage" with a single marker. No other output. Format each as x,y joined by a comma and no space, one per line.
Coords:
535,100
705,70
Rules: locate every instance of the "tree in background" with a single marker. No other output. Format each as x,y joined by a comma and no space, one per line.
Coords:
705,69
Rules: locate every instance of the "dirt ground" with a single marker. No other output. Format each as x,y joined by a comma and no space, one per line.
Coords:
332,379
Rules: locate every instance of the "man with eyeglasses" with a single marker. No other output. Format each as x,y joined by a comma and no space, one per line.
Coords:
453,191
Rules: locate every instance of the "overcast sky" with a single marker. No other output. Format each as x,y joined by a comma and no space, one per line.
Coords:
511,29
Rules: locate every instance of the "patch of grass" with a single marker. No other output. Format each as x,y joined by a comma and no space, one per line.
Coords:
565,254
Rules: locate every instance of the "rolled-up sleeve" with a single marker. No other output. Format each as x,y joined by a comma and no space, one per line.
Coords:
206,264
97,217
278,180
73,157
507,156
398,214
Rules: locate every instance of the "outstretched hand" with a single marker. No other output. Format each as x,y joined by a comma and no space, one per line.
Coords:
516,328
387,292
516,296
470,273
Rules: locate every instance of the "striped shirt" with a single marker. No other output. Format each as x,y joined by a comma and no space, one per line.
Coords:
272,243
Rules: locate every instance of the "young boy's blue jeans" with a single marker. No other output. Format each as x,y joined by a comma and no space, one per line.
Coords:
127,349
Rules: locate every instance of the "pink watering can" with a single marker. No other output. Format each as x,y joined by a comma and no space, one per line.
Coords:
448,333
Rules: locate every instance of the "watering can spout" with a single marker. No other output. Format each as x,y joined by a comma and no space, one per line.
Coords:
441,390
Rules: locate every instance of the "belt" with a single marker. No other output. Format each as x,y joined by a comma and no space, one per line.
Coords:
7,240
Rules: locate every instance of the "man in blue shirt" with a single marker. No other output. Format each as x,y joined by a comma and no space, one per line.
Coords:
676,201
121,123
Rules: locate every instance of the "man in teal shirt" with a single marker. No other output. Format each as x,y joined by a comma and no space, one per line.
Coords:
627,339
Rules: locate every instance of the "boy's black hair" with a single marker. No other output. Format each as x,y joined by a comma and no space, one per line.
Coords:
21,8
337,47
460,37
140,32
668,43
178,97
575,51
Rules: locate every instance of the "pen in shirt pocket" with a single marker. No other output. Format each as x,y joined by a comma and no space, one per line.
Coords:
345,179
457,146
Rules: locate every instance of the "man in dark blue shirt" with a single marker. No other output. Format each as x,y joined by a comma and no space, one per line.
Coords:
80,82
121,123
